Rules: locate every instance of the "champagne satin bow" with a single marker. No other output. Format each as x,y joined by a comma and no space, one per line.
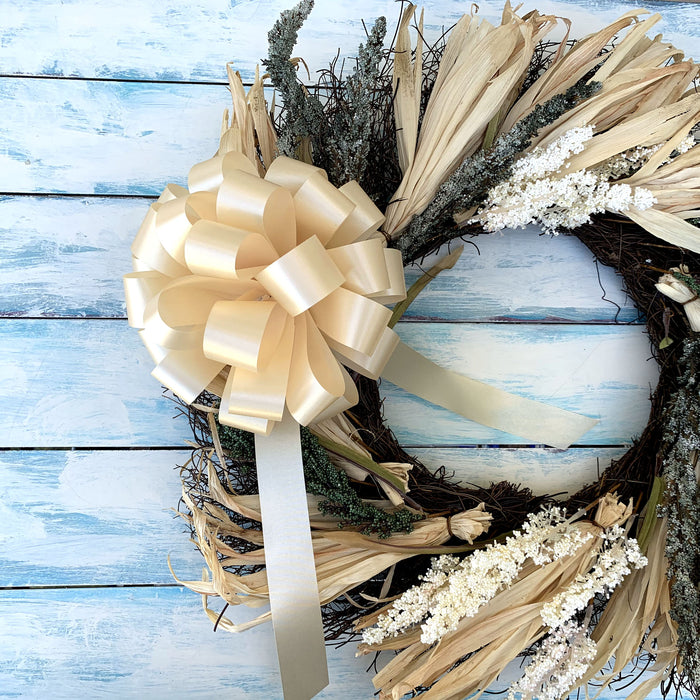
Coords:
273,284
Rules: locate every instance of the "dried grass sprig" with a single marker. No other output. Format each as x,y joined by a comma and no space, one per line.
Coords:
469,658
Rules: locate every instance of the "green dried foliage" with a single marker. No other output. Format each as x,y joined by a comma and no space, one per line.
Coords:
323,479
468,186
350,111
682,506
331,124
689,281
303,120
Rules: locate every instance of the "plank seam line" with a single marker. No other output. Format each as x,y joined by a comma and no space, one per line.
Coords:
407,321
101,448
144,81
63,318
184,446
80,195
67,586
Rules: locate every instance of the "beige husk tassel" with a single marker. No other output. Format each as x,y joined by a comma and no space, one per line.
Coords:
480,67
501,629
344,559
250,122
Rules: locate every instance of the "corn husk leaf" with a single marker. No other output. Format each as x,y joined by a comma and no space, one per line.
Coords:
637,616
343,559
339,431
250,122
407,80
499,631
480,67
568,68
668,227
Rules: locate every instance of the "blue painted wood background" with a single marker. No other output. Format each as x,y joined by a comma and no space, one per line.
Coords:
101,105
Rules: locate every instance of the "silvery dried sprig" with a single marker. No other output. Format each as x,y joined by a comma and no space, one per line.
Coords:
348,137
303,124
682,507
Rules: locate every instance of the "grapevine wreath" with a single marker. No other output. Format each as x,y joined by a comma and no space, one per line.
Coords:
262,291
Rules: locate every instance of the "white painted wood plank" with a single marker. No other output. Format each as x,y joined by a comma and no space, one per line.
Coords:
81,383
86,383
522,275
105,517
143,643
599,371
543,470
92,518
47,243
182,40
153,643
104,137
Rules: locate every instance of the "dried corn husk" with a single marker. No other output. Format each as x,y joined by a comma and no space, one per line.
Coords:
250,122
567,68
344,559
407,82
339,430
636,617
480,68
502,629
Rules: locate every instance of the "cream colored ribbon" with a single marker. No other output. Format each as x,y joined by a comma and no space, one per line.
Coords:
263,290
294,597
259,289
535,421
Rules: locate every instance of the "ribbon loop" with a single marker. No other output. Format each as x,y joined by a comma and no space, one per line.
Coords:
351,320
316,379
227,271
363,265
364,220
302,277
208,175
244,333
320,209
217,250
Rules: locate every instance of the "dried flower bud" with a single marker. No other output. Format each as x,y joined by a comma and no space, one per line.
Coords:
470,524
677,290
611,512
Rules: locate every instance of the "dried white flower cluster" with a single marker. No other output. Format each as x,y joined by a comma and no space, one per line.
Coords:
538,193
454,589
630,161
560,661
618,556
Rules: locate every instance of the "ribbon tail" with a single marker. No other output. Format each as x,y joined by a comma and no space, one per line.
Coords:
534,421
289,559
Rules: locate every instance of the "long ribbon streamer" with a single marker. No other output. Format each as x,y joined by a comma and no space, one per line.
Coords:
534,421
289,558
